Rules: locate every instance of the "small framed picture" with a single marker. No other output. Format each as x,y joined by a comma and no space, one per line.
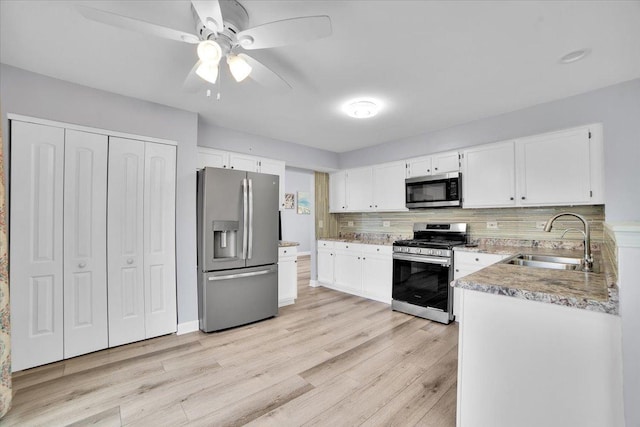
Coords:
304,204
289,200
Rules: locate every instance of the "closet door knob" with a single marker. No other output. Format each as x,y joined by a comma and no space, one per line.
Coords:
82,265
130,261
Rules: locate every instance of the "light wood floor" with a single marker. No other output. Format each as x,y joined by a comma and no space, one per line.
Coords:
331,360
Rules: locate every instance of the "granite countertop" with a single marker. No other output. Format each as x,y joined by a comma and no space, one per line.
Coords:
285,244
589,291
364,240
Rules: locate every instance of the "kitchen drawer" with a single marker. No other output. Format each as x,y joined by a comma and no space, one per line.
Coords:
377,249
348,246
325,244
287,251
475,260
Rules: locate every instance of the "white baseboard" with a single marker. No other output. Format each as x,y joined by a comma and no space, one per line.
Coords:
314,283
186,327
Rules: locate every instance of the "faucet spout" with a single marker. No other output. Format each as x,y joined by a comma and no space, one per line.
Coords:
588,257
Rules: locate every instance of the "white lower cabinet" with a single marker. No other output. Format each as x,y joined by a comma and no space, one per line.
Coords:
90,225
287,275
358,269
465,263
529,363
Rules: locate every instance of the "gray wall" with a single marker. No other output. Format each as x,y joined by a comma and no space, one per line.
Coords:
22,92
295,155
299,228
617,107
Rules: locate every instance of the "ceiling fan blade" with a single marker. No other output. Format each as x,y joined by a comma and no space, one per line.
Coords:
193,82
136,25
264,75
210,14
288,31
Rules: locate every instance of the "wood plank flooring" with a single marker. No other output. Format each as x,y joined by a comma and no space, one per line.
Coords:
331,359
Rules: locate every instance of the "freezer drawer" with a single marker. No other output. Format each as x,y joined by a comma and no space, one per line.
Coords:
236,297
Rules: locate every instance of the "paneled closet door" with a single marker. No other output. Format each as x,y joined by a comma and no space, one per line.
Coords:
159,239
85,243
125,241
36,246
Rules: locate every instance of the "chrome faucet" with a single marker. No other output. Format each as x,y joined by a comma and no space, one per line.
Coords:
588,258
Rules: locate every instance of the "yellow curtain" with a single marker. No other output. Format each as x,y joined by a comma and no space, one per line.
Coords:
5,337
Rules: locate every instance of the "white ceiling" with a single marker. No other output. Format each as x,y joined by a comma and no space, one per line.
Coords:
433,64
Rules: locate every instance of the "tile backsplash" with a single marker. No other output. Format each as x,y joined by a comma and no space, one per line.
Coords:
512,223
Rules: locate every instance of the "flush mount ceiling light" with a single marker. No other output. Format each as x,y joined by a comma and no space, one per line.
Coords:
361,108
574,56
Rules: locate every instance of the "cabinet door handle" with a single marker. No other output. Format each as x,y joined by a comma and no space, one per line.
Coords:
370,206
477,259
436,168
428,170
523,197
82,265
457,271
130,261
510,198
358,257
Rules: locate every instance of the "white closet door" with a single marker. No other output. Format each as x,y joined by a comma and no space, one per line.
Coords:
159,239
125,241
85,243
36,249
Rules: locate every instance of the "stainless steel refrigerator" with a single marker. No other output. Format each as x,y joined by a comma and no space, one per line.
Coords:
237,247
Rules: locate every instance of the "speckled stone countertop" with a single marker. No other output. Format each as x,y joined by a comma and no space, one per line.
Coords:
285,244
589,291
364,241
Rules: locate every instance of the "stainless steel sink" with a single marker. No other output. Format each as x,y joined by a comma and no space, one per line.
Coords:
545,261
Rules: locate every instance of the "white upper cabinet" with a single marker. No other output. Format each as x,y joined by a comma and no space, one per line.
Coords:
446,162
388,187
36,244
85,243
377,188
556,168
434,164
338,191
359,189
418,166
553,169
125,241
212,158
488,176
244,162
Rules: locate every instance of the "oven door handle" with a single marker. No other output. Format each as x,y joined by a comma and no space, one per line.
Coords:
445,262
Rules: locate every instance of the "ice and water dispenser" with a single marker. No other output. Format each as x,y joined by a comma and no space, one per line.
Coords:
225,237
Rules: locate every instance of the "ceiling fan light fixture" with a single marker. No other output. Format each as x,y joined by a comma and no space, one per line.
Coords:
209,51
361,108
239,68
208,71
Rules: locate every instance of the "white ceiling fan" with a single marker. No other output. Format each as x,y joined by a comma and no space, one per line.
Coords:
221,32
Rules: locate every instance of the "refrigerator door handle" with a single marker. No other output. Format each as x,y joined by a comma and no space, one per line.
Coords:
245,222
250,218
235,276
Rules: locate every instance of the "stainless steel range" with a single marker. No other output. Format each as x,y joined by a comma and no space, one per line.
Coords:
423,270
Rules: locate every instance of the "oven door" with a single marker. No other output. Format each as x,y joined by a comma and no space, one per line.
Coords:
422,281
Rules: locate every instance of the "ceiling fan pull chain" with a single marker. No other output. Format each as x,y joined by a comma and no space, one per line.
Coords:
219,88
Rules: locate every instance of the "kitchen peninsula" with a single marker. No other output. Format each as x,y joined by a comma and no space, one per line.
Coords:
539,346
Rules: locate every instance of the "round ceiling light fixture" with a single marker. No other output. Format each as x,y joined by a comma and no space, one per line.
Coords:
574,56
361,108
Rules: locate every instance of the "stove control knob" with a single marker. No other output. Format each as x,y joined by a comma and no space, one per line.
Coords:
419,251
439,253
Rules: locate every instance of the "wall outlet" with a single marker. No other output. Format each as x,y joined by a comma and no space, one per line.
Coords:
540,225
386,223
320,224
350,223
492,225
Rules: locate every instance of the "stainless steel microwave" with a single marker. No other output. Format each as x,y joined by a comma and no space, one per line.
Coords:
435,191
